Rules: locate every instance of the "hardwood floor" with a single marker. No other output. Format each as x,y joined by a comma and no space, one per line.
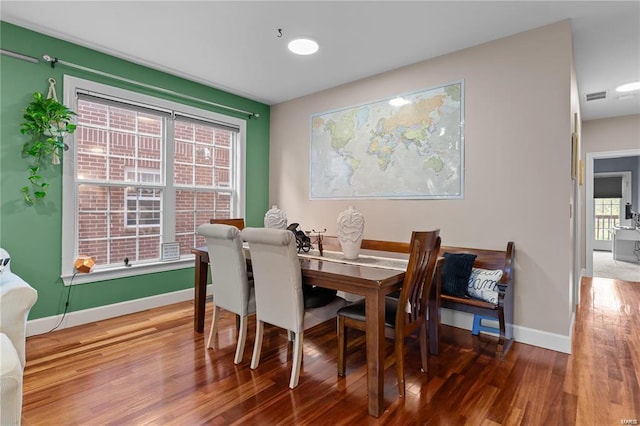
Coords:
151,368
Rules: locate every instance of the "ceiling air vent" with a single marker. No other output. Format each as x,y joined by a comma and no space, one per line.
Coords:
596,95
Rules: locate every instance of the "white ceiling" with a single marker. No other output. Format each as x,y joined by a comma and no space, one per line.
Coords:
235,46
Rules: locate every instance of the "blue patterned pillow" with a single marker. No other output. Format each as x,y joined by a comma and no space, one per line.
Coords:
456,272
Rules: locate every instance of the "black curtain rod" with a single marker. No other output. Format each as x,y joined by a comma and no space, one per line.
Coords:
55,61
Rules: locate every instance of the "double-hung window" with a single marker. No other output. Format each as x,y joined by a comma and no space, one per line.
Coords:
141,175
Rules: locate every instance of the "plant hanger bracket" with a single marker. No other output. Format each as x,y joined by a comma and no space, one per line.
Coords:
52,90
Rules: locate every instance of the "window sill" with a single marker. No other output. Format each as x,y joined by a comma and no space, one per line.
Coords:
127,271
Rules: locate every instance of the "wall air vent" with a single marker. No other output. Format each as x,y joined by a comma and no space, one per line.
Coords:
596,95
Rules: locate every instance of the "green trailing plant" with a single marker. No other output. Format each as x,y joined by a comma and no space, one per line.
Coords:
46,121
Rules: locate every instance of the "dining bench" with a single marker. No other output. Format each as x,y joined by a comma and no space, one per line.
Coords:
488,260
499,309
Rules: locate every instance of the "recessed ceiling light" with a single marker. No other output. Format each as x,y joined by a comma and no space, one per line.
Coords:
303,46
629,87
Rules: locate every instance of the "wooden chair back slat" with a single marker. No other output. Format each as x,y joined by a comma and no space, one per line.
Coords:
418,279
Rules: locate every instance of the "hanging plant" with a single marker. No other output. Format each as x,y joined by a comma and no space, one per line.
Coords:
46,121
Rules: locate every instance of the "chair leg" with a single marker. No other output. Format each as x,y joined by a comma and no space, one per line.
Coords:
342,346
242,337
423,346
257,347
399,355
214,326
297,359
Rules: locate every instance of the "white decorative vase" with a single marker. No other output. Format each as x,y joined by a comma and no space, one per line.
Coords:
275,218
350,232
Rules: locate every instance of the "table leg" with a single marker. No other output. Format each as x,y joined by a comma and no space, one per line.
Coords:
375,351
200,292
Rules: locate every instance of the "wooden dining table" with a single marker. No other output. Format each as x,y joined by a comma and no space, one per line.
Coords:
371,282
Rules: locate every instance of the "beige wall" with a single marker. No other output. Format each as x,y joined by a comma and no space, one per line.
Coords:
517,154
611,134
606,135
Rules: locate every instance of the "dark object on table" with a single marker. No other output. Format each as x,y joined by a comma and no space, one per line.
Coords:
303,242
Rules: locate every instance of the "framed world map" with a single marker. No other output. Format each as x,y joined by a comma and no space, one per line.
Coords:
410,146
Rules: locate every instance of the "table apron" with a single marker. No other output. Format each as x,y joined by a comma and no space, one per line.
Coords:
355,287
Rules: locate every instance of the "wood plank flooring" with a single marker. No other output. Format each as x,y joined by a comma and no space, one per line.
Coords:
150,368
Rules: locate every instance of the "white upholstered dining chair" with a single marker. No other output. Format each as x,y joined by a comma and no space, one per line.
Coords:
16,300
280,299
278,284
231,286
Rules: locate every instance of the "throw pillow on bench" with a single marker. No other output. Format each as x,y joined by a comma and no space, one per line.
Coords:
456,272
483,284
461,279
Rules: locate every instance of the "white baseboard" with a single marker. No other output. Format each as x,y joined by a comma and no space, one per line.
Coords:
463,320
72,319
571,326
529,336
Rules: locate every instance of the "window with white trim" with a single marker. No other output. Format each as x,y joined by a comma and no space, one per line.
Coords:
143,171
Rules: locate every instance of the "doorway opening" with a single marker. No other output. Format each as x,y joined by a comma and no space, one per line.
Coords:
612,191
605,211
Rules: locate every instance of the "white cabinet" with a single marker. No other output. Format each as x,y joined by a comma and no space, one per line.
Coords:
626,244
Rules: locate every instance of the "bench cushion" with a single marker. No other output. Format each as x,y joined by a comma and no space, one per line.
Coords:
456,272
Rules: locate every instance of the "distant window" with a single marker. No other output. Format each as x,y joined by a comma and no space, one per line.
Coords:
143,204
607,215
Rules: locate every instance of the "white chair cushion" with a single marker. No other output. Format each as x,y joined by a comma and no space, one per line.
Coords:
315,316
9,362
16,299
10,383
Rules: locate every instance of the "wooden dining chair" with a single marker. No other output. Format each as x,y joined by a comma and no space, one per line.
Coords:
237,222
404,315
232,289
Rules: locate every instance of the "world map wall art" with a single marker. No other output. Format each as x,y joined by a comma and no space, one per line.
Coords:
410,146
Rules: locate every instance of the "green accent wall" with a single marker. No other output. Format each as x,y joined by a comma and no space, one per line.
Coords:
32,234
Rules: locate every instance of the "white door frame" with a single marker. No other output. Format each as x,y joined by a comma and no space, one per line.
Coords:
590,157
